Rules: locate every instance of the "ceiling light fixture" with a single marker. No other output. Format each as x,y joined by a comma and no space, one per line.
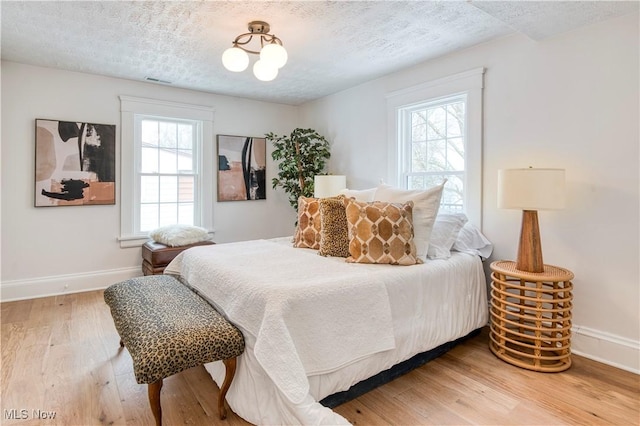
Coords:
272,55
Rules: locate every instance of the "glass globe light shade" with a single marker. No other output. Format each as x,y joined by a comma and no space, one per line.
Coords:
235,59
264,71
275,54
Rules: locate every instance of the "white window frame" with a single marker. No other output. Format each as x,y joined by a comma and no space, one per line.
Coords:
131,108
469,84
195,171
405,125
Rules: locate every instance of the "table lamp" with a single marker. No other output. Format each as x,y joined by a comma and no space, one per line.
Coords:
530,190
328,185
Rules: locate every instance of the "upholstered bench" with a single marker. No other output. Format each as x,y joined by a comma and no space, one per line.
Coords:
168,328
156,256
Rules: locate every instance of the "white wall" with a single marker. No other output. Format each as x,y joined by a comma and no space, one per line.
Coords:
46,249
568,102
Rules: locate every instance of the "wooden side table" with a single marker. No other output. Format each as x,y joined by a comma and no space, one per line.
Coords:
531,316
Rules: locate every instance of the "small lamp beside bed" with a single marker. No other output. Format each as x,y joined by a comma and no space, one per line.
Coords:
530,190
328,185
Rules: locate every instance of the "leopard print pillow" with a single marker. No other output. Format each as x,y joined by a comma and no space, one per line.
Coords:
381,232
334,235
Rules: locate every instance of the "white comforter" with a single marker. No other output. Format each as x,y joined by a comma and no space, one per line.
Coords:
260,287
314,326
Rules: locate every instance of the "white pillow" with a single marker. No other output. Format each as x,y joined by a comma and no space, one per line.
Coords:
445,232
364,195
425,209
179,235
470,240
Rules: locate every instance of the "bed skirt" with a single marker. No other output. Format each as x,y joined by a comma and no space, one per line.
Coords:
394,372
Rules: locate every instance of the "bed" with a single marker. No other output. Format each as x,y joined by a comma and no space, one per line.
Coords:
314,326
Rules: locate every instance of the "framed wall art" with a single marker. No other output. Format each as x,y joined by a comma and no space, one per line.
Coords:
242,164
75,163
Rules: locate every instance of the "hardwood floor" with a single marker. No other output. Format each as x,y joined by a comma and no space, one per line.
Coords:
60,355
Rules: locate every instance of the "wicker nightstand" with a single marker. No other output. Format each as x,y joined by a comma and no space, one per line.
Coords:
531,316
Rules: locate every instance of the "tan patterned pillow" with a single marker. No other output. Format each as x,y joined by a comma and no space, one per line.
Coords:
426,203
381,232
308,231
334,234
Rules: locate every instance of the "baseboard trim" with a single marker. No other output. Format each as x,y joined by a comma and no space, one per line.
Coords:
606,348
63,284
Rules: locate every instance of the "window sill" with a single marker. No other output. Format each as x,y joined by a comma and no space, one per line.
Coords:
133,241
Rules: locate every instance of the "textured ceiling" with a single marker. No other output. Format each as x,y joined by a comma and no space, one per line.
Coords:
331,45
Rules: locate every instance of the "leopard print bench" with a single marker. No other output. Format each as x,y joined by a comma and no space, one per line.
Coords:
167,328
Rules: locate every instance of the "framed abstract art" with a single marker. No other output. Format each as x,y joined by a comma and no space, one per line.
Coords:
242,162
75,163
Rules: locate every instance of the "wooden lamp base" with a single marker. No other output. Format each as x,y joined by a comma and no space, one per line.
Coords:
530,247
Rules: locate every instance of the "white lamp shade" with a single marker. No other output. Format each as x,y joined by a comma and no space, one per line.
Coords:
531,189
264,71
274,54
328,185
235,59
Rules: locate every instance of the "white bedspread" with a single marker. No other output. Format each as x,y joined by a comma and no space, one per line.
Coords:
297,316
433,303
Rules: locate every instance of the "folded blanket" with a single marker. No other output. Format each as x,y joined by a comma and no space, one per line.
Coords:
308,315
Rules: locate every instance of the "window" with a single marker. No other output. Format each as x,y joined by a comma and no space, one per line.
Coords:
433,148
167,171
435,132
164,180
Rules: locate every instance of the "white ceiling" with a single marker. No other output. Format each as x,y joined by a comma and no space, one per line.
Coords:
331,45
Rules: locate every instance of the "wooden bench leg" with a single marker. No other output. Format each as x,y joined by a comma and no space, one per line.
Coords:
154,400
230,371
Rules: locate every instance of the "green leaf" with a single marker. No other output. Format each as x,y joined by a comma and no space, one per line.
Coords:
302,165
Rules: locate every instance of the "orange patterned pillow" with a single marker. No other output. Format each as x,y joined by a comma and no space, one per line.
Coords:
308,231
381,232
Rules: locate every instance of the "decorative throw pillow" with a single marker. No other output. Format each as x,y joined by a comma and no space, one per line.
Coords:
380,232
366,195
334,234
445,231
308,231
471,240
179,235
426,205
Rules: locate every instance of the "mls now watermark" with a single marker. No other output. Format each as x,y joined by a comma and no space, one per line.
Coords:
24,414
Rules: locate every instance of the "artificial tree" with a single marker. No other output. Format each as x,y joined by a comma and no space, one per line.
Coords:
301,155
